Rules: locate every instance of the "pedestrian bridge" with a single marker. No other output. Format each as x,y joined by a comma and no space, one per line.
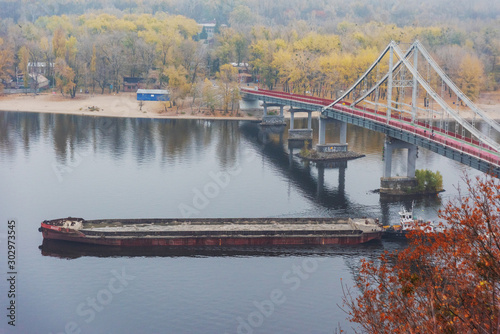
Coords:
418,116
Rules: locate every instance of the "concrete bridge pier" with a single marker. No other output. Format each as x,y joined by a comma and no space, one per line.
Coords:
331,147
300,134
272,119
398,185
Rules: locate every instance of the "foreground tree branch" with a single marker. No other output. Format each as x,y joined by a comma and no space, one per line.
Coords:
445,282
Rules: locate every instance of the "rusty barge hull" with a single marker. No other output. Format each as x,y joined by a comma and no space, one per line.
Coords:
213,241
212,232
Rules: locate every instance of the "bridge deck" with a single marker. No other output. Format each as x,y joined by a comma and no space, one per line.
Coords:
419,128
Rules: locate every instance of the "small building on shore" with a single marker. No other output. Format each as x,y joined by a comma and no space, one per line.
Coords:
132,84
153,95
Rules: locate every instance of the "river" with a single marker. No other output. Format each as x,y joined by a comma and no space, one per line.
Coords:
55,166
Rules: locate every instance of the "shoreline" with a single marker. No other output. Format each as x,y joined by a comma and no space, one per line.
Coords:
125,105
145,116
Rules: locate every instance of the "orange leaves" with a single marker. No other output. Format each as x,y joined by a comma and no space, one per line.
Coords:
446,282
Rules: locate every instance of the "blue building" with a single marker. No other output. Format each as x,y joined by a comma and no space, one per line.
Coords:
153,95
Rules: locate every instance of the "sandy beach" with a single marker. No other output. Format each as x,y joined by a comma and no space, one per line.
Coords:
108,105
126,105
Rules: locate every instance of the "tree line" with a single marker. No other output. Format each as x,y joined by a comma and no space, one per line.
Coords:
95,51
324,14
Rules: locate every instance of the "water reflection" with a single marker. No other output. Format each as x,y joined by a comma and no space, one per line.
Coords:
178,141
72,134
70,250
148,168
297,171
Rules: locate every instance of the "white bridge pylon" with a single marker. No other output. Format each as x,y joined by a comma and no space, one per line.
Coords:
406,88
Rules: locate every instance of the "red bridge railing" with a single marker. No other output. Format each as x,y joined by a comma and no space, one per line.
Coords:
426,130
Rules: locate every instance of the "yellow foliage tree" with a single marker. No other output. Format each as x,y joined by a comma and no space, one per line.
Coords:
228,86
209,95
6,60
178,84
317,43
65,77
471,76
24,55
59,43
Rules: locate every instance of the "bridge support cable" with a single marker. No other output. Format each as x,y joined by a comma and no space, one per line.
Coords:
359,80
455,89
415,87
389,85
379,83
398,69
443,104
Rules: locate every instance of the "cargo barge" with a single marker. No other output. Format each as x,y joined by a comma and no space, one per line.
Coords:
213,231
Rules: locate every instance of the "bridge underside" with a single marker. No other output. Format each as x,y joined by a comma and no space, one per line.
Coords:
417,140
436,147
394,133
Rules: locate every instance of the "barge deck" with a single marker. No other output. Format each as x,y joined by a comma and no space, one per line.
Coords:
213,231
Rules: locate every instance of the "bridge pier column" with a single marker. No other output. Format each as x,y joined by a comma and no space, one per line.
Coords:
322,132
271,120
343,132
412,159
387,158
329,148
392,143
299,135
398,185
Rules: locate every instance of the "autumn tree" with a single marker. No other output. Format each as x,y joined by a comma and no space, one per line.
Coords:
471,76
93,67
266,60
74,62
59,43
225,50
242,17
23,56
65,77
47,58
443,282
228,86
6,60
177,82
114,56
209,95
191,56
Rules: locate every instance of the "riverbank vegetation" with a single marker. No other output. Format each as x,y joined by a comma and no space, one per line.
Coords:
442,282
318,48
428,182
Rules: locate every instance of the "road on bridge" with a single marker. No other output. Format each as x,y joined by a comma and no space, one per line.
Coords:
423,129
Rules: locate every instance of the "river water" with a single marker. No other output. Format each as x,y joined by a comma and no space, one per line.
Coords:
54,166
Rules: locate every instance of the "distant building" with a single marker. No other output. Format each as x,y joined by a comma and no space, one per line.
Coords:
39,81
40,68
243,72
207,31
15,85
153,95
132,84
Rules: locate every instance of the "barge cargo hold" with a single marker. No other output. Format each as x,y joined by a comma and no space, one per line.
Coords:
213,231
